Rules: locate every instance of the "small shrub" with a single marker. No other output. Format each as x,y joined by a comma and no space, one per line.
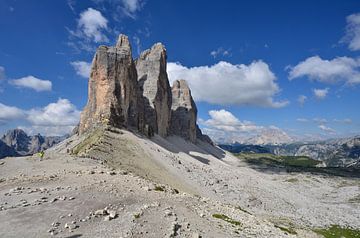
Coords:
336,231
227,219
287,230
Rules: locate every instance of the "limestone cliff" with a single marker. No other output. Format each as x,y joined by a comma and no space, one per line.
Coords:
183,111
137,95
154,88
112,95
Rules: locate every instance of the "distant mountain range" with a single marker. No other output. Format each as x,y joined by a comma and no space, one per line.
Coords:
273,136
17,143
334,153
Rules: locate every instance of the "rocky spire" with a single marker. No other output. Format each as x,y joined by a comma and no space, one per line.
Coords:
112,95
155,89
129,94
183,111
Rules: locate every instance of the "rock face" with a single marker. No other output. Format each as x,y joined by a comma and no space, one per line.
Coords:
136,94
155,88
17,142
183,111
112,95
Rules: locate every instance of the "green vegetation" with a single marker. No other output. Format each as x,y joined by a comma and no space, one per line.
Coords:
336,231
227,219
278,160
88,143
287,230
355,199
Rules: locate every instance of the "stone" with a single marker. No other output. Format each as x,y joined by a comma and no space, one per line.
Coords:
155,91
112,95
196,235
100,212
183,111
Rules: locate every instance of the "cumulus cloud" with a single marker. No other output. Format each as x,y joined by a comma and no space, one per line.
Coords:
10,113
226,121
224,126
220,52
339,69
57,118
301,100
228,84
352,37
33,83
60,113
321,93
327,129
91,25
81,68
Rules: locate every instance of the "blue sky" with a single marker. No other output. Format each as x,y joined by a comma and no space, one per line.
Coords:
252,65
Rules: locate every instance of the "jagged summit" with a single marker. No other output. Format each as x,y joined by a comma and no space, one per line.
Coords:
123,42
136,94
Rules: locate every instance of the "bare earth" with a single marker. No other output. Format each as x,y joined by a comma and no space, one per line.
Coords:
124,185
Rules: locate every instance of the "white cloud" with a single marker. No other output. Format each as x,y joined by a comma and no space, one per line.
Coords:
82,68
321,93
33,83
320,120
220,52
226,121
301,100
352,36
340,69
2,73
130,7
60,113
47,130
228,84
57,118
223,126
91,24
327,129
343,121
302,120
10,113
138,44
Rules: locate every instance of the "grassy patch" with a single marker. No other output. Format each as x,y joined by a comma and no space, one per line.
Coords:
355,199
88,143
278,160
336,231
227,219
287,230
